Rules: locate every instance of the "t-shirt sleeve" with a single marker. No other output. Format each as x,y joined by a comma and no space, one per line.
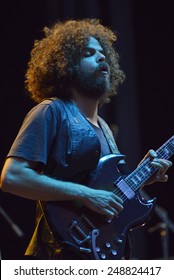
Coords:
36,135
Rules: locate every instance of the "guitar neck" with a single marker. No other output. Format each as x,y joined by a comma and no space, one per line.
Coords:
145,170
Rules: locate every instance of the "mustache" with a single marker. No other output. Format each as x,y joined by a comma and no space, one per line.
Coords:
103,66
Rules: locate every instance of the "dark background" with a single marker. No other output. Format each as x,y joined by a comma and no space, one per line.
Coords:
141,114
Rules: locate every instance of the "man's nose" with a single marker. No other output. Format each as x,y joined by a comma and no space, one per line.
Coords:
101,57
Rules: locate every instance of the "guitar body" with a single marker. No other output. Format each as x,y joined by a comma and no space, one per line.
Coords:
92,235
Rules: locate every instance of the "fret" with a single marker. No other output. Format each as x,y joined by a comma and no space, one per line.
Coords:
144,171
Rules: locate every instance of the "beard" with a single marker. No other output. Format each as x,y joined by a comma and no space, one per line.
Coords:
95,85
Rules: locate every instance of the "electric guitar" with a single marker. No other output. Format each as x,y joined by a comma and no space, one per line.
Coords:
92,235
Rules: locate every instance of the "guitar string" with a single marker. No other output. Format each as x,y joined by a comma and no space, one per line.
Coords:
160,152
129,180
123,195
145,174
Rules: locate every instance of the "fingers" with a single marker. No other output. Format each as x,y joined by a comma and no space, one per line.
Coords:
114,206
162,178
116,203
104,202
151,154
111,213
161,164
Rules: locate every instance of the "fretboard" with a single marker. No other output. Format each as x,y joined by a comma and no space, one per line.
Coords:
144,171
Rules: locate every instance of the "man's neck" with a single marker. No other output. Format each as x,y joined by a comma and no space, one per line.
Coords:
88,107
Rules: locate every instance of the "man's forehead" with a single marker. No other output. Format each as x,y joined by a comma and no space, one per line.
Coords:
94,44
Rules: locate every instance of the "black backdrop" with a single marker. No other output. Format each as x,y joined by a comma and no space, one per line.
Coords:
142,113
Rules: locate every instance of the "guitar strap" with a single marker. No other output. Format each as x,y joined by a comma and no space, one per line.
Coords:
109,136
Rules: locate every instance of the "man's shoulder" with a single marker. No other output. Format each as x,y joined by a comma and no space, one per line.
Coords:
47,106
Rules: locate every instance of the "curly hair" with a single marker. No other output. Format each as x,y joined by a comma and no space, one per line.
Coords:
53,58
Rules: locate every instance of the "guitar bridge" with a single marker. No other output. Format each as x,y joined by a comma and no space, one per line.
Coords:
80,230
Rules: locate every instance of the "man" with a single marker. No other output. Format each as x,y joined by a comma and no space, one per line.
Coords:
72,70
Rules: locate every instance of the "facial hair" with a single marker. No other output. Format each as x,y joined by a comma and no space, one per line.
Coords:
94,85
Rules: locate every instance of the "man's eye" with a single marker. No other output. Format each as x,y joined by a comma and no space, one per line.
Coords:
88,52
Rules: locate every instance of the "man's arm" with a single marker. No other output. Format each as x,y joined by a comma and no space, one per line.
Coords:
19,177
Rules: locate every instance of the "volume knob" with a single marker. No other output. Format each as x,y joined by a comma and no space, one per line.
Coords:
118,240
103,256
107,245
113,252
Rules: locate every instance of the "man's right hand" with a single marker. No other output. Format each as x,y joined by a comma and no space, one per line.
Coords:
103,202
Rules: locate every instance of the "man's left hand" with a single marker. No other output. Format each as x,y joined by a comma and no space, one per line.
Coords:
162,164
